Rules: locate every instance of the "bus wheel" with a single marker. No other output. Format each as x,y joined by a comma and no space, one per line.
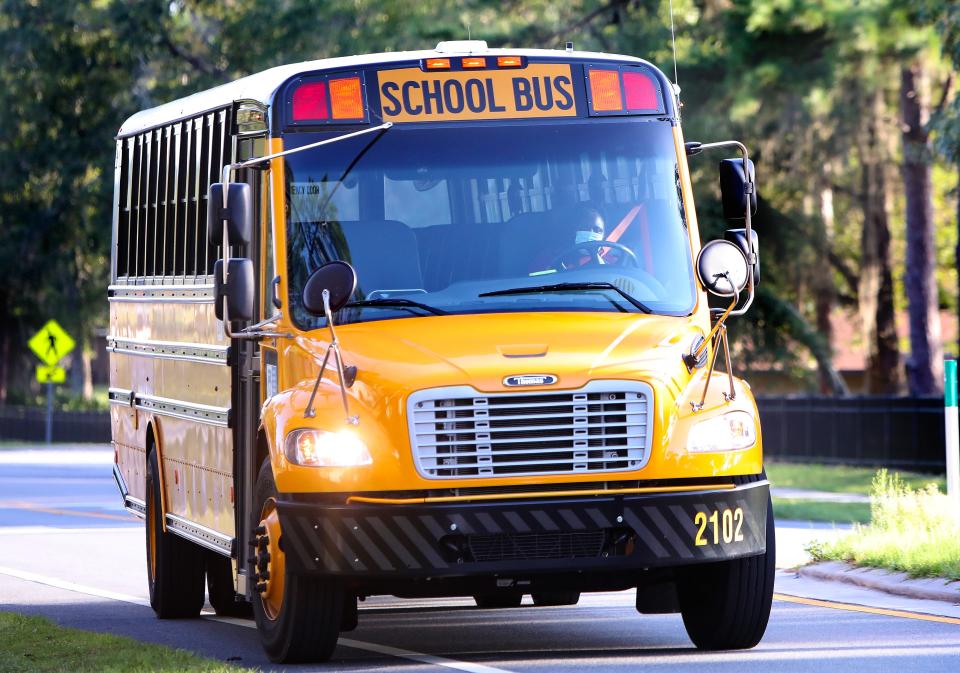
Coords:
174,566
726,605
298,617
555,598
502,598
220,588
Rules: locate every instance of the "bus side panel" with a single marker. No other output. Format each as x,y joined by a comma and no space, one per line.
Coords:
181,383
198,471
130,454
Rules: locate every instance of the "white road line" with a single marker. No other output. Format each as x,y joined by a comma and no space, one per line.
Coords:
71,586
419,657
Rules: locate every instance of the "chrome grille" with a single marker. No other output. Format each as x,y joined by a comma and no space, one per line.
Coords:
459,432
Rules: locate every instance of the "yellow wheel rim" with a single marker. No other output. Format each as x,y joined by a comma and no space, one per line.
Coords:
271,558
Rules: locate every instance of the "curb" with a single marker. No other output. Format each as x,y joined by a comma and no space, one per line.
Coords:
896,583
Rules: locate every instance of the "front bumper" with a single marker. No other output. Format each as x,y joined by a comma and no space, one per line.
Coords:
599,533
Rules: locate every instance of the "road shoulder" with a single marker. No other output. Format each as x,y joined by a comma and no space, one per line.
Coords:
895,583
794,583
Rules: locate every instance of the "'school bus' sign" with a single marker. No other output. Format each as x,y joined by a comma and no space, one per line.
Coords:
411,95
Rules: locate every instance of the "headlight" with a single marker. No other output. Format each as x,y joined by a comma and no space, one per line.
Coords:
729,432
319,448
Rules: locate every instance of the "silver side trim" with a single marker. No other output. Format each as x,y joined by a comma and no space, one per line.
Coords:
135,506
120,396
121,484
173,350
199,413
192,294
201,535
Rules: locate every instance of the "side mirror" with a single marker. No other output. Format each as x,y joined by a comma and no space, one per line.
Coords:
239,289
733,188
338,278
739,237
238,215
722,268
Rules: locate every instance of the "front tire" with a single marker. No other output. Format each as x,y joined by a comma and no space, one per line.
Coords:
726,605
298,617
175,567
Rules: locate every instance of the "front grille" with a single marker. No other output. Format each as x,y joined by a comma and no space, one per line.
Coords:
536,546
458,432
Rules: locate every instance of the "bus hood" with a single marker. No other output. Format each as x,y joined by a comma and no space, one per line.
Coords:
483,350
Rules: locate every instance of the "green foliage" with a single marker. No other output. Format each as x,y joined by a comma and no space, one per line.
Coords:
38,645
916,531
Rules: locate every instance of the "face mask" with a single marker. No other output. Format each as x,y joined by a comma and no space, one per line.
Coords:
585,236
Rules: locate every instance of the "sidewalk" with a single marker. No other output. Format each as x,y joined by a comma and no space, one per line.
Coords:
822,496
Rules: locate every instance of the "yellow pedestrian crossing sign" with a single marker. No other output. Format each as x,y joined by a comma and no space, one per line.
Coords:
51,343
46,374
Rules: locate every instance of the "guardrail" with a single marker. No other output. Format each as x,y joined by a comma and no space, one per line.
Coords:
896,432
26,424
905,433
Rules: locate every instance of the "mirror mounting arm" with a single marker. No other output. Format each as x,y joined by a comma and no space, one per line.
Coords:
346,374
718,338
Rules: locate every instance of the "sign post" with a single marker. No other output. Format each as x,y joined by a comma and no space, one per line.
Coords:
952,430
51,344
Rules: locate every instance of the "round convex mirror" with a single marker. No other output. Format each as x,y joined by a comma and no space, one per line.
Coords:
339,278
722,268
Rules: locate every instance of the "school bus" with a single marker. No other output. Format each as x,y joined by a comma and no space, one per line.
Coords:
434,324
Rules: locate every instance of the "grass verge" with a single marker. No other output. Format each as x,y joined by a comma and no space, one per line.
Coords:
839,478
818,510
38,645
916,531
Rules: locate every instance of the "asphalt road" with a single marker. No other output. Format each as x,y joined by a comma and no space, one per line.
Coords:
69,552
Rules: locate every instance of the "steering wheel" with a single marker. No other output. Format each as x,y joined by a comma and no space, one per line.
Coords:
592,248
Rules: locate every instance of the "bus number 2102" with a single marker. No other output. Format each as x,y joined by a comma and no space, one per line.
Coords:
725,525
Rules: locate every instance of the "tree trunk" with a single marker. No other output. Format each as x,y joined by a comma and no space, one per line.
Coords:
925,364
882,369
824,288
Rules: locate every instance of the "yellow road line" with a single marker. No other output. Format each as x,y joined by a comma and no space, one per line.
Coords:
852,607
66,512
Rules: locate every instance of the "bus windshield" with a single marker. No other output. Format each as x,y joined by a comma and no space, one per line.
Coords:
460,219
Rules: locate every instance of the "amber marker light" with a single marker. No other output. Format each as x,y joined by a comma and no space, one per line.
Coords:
473,62
346,98
605,90
509,61
438,64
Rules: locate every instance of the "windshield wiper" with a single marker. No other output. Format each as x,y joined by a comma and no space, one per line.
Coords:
569,287
395,302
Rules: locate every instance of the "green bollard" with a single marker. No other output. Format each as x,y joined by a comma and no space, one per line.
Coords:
952,429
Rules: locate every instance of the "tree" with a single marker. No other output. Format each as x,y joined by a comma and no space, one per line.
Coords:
925,366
